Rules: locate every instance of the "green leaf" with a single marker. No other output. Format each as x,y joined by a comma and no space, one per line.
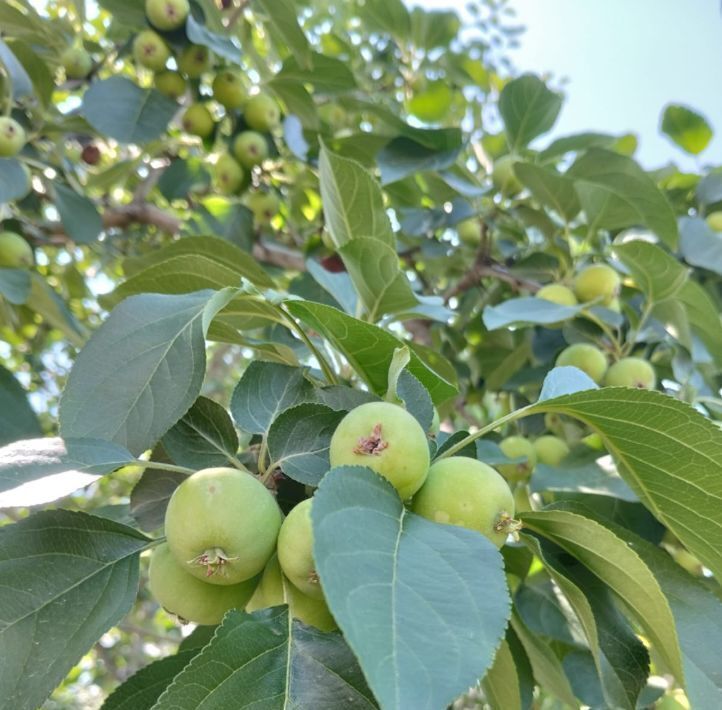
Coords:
299,438
384,569
501,683
20,81
268,660
431,103
204,437
120,109
81,220
709,189
127,12
282,16
265,390
700,245
704,317
416,399
182,177
527,309
149,497
574,144
369,349
17,418
297,99
36,471
551,188
403,156
616,193
15,285
326,74
141,370
46,302
221,46
222,217
388,16
688,129
14,180
657,274
72,572
565,380
528,109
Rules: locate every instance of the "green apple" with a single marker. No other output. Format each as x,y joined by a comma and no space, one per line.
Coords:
597,281
250,148
264,206
228,174
194,61
150,51
469,231
170,84
631,372
557,293
228,89
12,137
295,550
586,357
516,447
167,14
714,221
15,252
198,121
550,450
76,62
465,492
503,176
262,112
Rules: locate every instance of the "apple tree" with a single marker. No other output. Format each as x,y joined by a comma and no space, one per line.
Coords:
329,380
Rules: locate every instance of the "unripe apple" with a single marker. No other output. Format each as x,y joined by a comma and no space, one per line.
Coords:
586,357
15,252
516,447
170,84
264,206
556,293
12,137
333,114
597,281
469,231
295,550
631,372
387,439
250,148
228,89
262,112
550,450
76,62
714,221
503,176
194,60
150,51
167,14
465,492
228,174
198,121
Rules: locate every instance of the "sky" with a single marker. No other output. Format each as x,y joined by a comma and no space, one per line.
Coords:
624,61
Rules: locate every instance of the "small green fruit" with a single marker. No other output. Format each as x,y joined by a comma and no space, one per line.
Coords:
550,450
228,174
198,121
15,252
631,372
12,137
503,176
250,148
597,281
714,221
150,51
228,89
465,492
295,550
556,293
264,206
515,447
167,14
170,84
188,598
221,525
469,231
194,61
76,62
262,113
586,357
333,114
387,439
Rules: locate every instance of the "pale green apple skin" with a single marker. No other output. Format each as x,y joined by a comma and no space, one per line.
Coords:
15,252
264,206
550,450
188,598
167,15
170,84
515,447
402,456
557,293
194,61
631,372
714,221
467,493
228,89
226,509
587,358
503,176
295,550
250,148
198,121
597,281
262,113
76,62
12,137
470,231
228,174
150,51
